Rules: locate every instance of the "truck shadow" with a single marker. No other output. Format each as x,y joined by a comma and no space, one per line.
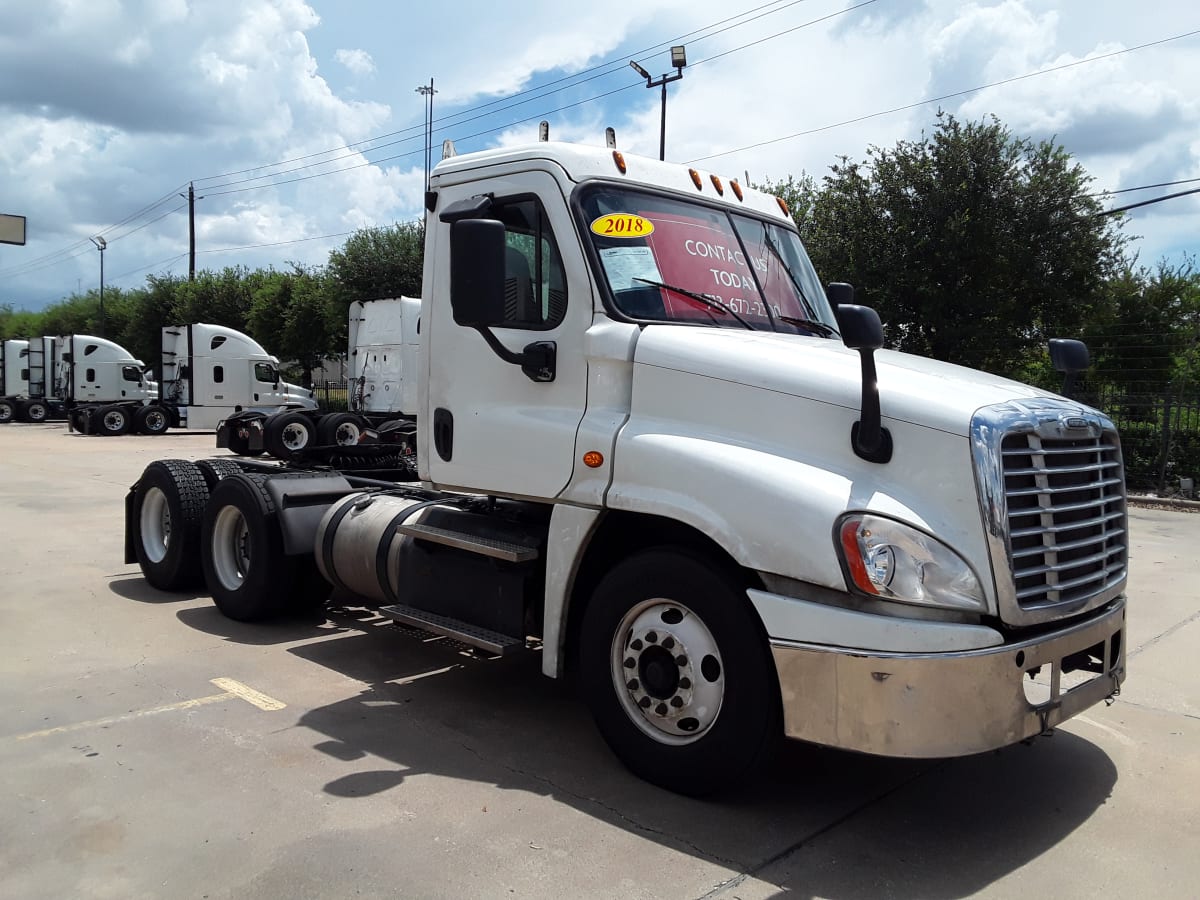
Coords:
135,587
818,823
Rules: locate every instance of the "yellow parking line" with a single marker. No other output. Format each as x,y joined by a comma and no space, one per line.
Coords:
232,689
249,694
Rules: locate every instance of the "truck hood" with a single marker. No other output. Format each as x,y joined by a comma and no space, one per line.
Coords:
911,388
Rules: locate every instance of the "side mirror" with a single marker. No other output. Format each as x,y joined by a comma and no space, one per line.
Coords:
838,293
1069,357
477,272
862,331
860,325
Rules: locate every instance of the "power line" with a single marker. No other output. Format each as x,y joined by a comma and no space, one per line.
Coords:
1109,212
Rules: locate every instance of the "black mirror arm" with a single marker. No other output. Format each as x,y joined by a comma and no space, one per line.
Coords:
538,360
870,440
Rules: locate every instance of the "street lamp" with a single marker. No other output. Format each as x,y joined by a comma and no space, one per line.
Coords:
101,243
678,60
427,91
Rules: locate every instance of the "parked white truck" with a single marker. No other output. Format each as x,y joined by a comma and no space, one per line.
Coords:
651,445
206,373
380,426
14,379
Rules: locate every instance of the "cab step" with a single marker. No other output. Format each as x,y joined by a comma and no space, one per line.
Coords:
505,550
473,635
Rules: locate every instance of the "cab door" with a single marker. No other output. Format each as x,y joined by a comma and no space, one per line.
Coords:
488,427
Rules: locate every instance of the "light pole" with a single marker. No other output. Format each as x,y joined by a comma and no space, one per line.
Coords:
678,60
427,91
101,243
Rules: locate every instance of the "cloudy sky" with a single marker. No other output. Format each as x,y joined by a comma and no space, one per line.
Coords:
300,122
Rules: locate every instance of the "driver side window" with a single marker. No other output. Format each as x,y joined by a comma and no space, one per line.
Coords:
535,286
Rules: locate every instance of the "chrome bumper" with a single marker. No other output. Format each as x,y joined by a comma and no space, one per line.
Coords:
943,704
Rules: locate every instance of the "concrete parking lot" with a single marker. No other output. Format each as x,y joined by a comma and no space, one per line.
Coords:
150,747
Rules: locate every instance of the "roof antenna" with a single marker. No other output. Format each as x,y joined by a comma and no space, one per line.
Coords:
610,138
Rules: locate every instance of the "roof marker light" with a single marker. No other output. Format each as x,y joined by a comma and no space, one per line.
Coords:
737,188
696,179
619,159
717,184
782,206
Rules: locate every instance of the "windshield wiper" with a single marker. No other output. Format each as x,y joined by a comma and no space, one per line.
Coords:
810,320
705,299
811,324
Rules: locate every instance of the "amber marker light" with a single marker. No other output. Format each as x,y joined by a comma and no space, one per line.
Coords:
696,179
717,184
619,159
737,188
782,206
593,459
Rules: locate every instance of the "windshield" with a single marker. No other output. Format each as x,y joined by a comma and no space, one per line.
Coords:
670,260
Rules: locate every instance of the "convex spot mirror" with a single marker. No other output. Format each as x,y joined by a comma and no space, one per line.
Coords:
860,327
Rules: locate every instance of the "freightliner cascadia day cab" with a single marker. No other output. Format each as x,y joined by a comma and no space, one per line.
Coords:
206,373
653,447
14,379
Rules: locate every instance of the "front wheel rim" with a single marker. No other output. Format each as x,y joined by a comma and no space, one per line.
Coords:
231,548
667,671
155,524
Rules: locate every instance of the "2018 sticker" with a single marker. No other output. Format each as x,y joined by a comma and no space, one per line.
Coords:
622,225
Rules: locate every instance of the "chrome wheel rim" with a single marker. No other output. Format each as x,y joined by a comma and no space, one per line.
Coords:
667,671
155,524
113,420
231,548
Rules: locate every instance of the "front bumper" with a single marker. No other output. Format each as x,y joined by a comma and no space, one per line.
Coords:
943,704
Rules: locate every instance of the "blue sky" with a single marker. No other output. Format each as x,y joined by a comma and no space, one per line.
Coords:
300,122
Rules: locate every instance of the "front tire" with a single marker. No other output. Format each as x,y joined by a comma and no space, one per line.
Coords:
168,510
677,671
8,411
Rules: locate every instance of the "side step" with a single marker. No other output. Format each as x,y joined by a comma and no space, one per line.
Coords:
483,638
505,550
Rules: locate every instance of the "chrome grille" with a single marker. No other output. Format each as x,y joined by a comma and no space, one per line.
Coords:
1055,507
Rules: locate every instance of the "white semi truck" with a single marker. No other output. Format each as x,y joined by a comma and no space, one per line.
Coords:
206,373
14,379
652,446
380,426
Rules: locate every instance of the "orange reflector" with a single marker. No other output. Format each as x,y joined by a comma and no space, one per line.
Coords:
593,459
717,184
696,179
782,206
737,188
619,160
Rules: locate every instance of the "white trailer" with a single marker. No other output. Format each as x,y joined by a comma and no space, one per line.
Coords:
206,373
651,445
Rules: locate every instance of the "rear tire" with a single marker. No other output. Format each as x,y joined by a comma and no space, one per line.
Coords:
35,411
168,510
242,555
339,429
8,411
151,420
113,420
678,673
287,435
213,470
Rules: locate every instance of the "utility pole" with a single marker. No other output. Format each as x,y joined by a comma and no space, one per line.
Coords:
191,199
427,91
101,245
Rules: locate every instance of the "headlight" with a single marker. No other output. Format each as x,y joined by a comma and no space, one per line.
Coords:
894,561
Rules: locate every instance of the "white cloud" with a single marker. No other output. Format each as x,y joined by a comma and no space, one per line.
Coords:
357,61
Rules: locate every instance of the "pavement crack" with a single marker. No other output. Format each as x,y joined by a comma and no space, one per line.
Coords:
1166,634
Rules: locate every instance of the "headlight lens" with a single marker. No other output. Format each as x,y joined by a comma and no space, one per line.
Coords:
894,561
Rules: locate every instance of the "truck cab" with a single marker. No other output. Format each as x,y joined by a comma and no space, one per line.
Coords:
14,378
211,371
93,369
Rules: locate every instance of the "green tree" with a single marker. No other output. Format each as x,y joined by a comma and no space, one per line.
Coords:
378,262
974,245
